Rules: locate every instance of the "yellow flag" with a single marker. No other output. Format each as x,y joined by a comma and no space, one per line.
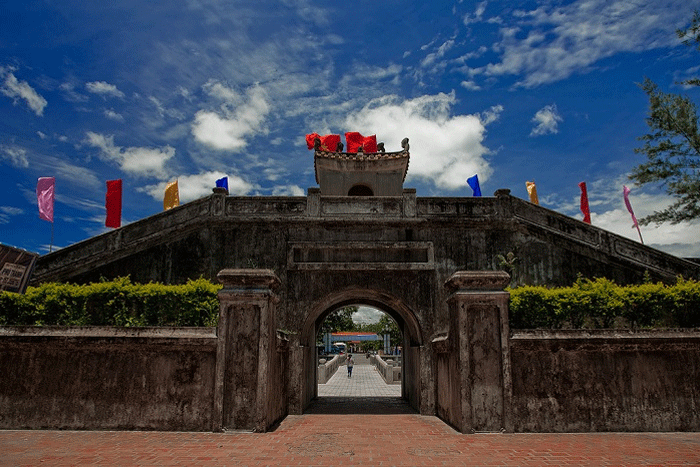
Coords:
532,192
172,196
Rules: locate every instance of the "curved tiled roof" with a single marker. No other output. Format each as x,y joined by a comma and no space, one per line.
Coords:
360,156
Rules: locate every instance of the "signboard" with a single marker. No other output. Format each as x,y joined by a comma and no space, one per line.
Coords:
16,266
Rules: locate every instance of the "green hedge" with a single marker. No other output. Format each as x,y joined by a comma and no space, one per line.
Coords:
601,303
597,303
114,303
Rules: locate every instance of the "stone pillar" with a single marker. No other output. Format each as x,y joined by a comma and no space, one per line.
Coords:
479,339
313,202
246,350
409,202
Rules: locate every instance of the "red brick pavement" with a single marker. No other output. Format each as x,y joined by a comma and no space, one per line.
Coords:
400,439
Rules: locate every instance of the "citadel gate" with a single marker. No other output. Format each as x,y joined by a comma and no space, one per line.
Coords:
360,237
460,375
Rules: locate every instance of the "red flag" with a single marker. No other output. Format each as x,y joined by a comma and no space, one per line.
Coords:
328,142
114,203
584,203
355,140
45,190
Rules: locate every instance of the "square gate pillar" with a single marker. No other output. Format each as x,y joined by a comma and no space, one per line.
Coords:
246,350
478,379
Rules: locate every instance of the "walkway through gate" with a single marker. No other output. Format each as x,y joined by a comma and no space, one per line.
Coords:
264,373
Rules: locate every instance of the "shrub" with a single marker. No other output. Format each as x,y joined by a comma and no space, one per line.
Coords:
600,303
113,303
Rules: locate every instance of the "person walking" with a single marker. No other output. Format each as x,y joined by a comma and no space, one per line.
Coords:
351,363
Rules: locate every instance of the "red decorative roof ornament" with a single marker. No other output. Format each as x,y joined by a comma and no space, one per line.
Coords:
356,141
328,143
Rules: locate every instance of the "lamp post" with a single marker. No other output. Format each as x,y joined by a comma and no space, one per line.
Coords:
387,340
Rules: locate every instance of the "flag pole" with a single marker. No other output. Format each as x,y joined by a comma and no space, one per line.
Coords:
51,244
640,233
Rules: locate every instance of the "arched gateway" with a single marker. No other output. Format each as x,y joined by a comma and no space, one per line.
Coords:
414,258
264,373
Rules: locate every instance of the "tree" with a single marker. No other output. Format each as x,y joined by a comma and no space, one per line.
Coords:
672,146
338,320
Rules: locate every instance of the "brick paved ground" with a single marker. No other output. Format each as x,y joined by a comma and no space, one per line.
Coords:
366,430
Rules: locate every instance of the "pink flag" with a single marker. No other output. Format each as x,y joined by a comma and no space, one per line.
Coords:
113,202
626,193
45,192
584,203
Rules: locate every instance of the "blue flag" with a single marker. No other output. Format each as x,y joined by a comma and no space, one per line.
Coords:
222,183
474,184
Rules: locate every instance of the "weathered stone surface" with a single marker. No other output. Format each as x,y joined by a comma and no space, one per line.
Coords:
580,381
248,279
205,236
107,378
297,259
478,280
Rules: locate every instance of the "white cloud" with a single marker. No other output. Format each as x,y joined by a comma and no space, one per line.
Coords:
470,85
8,211
288,190
554,41
112,115
478,14
491,115
139,161
239,118
666,237
15,89
608,211
104,89
361,73
16,155
431,58
197,186
445,149
367,315
71,94
546,121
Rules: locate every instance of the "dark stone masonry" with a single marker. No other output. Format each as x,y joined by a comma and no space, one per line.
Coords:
287,262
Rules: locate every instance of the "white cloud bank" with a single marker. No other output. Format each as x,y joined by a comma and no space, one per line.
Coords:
445,149
135,160
680,239
553,41
608,211
239,117
197,186
15,89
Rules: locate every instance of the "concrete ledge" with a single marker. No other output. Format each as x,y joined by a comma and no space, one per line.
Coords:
328,369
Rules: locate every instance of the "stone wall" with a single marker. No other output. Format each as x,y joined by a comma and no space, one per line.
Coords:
107,378
582,381
173,378
202,237
170,379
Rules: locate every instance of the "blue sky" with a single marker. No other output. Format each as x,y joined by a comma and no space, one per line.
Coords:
153,91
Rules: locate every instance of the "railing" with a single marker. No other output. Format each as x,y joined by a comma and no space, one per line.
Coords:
326,369
389,366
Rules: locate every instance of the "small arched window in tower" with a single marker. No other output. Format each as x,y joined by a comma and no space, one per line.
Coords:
360,190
